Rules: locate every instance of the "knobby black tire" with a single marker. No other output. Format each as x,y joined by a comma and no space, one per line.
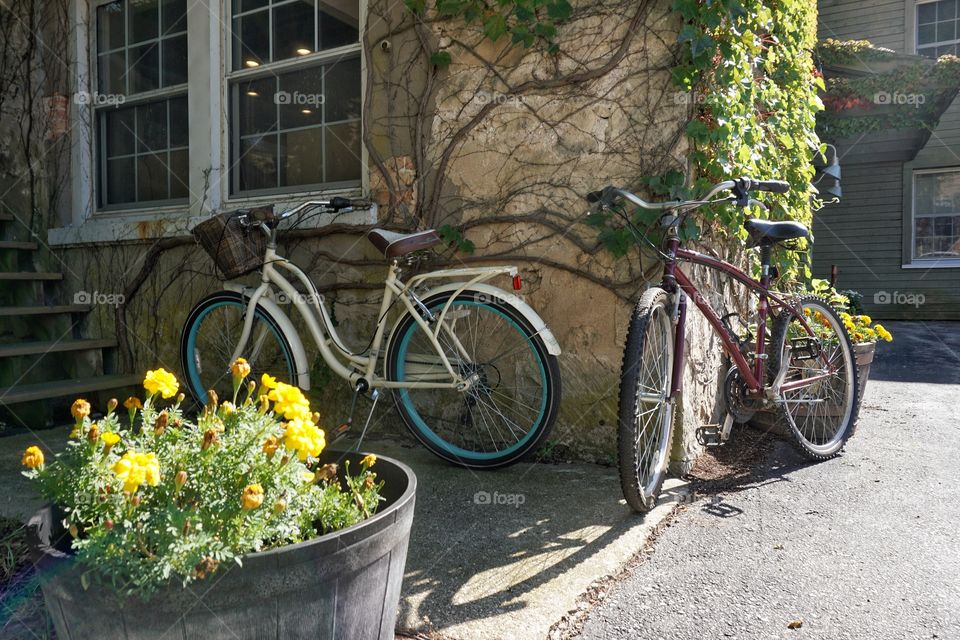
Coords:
777,342
627,436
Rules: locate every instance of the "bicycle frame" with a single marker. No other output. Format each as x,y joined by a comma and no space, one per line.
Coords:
338,357
678,283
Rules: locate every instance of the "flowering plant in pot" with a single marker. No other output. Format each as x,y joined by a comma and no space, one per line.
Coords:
152,502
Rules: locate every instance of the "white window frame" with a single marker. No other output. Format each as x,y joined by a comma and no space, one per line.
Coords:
912,28
910,228
208,49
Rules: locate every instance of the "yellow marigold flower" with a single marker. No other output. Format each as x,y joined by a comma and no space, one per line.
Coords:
865,320
110,438
135,469
252,496
844,315
162,382
32,457
290,402
369,460
132,403
228,408
240,369
267,382
806,311
883,333
270,446
80,409
304,437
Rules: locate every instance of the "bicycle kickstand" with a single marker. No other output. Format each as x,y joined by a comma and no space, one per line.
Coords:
342,429
374,395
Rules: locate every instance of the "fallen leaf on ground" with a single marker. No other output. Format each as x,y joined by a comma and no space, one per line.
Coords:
794,624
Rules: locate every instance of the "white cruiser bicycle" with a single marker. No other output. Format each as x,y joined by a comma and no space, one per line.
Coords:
472,368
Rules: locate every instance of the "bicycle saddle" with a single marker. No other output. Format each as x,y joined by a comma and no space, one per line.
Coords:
394,245
767,232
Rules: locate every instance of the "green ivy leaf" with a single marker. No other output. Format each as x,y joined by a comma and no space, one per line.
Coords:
495,26
440,58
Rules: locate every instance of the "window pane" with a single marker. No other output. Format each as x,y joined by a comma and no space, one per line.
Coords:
946,10
301,98
144,71
343,152
144,20
258,163
251,47
152,126
179,123
258,109
180,174
173,16
174,61
120,132
945,31
152,177
342,82
926,13
121,183
110,73
301,154
923,193
249,5
339,20
293,29
927,33
110,29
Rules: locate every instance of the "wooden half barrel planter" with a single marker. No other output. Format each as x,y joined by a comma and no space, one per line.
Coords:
344,584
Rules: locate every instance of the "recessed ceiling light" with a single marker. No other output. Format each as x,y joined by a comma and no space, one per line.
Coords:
252,63
306,111
304,51
253,94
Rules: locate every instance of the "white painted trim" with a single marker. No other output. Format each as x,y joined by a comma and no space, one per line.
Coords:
946,263
924,263
82,177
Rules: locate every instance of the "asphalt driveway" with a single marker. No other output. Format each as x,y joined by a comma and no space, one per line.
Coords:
866,545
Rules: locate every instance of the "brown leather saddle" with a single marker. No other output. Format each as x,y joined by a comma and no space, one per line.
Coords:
395,245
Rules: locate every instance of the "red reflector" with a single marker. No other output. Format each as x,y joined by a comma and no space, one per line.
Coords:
517,283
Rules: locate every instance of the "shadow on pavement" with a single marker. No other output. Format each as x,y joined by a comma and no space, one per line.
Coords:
921,352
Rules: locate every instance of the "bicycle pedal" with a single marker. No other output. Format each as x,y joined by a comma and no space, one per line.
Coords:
709,435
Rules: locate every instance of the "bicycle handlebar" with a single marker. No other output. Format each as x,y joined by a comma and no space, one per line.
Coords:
741,188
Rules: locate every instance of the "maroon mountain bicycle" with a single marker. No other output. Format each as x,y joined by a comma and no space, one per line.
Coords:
796,360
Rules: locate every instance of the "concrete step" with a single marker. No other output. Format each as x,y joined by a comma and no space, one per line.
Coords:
17,312
65,388
42,348
19,246
29,275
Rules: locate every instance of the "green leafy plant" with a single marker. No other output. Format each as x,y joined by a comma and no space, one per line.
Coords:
150,497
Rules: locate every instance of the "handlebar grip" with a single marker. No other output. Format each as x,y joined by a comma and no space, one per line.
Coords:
773,186
340,203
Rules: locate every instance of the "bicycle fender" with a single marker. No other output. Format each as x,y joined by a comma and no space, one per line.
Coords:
286,326
495,294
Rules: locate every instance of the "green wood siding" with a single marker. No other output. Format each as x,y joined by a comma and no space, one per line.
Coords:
863,236
882,22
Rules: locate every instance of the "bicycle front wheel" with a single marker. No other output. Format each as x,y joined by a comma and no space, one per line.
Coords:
819,404
646,410
211,335
512,402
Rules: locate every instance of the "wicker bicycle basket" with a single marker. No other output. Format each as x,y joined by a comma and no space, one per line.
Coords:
235,250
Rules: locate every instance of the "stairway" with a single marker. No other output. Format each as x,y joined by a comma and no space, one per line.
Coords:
46,361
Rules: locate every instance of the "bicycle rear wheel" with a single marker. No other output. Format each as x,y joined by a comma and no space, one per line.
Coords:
211,335
646,410
512,405
820,409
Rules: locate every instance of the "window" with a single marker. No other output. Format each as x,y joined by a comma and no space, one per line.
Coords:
938,31
140,106
936,213
295,95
